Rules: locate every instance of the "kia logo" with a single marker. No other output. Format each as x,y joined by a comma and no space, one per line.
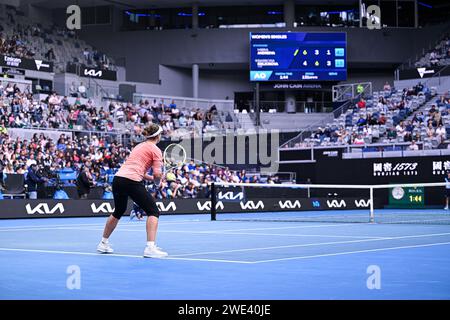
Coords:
336,204
170,206
362,204
93,73
288,204
103,208
230,195
207,205
250,205
43,208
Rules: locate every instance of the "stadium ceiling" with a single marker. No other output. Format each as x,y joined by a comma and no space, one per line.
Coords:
129,4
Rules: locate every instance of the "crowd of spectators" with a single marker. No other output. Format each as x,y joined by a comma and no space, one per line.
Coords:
438,56
21,110
25,39
44,158
389,118
13,46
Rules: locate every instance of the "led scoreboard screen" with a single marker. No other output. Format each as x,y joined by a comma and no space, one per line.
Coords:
298,56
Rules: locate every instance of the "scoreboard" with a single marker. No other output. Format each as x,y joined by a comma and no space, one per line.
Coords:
407,197
298,56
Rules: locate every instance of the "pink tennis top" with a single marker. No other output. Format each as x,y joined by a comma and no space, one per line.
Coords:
144,156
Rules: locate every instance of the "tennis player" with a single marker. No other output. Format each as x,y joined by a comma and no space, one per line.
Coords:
128,182
447,189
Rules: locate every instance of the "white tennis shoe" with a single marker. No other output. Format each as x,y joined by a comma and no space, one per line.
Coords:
154,252
104,247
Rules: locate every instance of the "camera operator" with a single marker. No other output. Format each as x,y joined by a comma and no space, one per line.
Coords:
34,178
84,182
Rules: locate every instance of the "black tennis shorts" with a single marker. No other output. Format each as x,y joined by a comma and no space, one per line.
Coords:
447,193
124,188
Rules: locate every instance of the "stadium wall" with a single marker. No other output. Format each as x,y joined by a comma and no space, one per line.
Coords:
230,46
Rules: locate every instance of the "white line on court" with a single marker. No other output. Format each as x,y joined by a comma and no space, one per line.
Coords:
119,255
294,227
314,244
219,232
354,252
70,226
127,224
296,235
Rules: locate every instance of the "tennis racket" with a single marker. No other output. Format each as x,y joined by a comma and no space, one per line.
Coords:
174,156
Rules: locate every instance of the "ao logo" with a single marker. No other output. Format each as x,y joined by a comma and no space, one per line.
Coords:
260,75
207,205
43,208
170,206
362,204
289,205
230,195
103,208
316,204
250,205
336,204
92,73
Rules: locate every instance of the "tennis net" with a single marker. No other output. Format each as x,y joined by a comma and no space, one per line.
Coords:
421,203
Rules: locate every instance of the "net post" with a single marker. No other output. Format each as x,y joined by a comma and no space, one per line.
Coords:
371,206
213,201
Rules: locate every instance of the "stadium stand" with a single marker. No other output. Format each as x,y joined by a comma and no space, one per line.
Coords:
21,37
438,56
389,118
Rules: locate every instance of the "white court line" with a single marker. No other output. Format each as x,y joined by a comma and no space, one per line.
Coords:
103,223
313,244
297,235
120,255
208,232
354,252
63,226
295,227
239,233
125,223
234,261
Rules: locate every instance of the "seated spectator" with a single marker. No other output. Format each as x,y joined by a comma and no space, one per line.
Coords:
358,140
361,121
73,92
413,146
82,90
430,131
361,104
387,87
382,119
441,133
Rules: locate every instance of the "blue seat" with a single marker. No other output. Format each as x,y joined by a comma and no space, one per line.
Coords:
66,176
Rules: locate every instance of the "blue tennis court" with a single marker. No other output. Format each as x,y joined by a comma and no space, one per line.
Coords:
225,260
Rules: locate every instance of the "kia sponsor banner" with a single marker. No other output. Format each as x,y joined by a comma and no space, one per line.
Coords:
25,63
90,72
19,208
423,72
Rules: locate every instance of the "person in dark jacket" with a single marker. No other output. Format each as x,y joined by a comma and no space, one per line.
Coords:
32,181
84,183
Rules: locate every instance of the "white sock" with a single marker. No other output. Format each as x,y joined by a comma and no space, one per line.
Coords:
150,243
105,240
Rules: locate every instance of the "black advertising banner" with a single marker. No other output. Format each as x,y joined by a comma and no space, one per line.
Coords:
25,63
13,71
42,208
90,72
423,72
382,170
